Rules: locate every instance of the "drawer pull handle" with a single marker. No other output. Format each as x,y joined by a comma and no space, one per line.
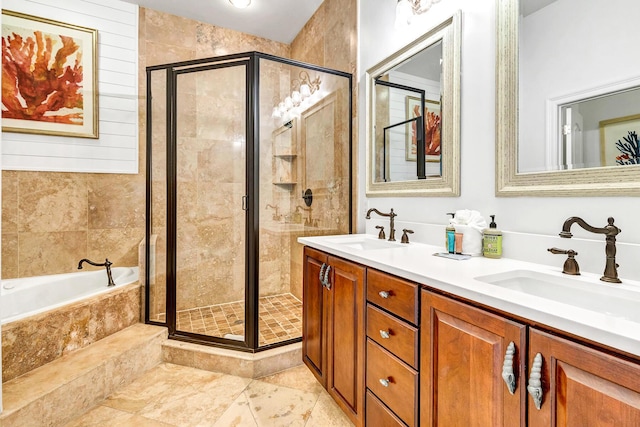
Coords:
535,381
508,375
384,294
325,282
385,382
384,334
321,276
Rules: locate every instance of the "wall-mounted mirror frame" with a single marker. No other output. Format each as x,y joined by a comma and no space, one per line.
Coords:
600,181
448,184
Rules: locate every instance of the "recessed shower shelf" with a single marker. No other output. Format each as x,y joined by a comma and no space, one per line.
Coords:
285,183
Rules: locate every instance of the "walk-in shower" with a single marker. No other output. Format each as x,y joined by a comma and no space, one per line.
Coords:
245,153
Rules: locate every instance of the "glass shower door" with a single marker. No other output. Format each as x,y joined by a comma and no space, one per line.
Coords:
210,155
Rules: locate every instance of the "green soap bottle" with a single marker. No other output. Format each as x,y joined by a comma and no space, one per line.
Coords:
449,235
492,240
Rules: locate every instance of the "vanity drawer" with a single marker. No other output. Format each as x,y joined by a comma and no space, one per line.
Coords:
379,415
401,338
393,294
400,391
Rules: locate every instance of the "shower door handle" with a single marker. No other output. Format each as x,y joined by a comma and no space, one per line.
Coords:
245,202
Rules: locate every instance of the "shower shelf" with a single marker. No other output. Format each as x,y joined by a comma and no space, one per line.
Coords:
285,183
285,156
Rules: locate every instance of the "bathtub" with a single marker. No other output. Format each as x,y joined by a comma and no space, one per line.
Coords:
46,317
25,297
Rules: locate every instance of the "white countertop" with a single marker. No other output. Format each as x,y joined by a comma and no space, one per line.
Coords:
415,262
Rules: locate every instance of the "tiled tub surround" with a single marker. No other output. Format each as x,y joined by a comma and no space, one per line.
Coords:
39,339
416,262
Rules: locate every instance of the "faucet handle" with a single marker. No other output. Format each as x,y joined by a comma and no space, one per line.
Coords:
381,234
405,237
570,265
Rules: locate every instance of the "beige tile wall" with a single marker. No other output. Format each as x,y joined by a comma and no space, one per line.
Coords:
329,39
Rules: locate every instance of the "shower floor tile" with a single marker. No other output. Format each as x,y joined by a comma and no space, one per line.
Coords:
280,319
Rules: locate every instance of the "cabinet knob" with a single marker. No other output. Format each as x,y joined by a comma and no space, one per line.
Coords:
384,294
508,374
384,334
385,382
535,381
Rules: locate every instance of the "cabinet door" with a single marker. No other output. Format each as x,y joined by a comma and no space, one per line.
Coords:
463,352
313,318
346,335
582,386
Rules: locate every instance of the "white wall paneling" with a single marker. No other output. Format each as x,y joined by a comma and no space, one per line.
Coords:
116,149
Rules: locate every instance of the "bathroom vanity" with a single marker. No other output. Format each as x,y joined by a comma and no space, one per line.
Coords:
403,338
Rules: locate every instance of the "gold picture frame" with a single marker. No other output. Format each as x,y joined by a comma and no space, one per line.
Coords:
49,77
432,133
614,131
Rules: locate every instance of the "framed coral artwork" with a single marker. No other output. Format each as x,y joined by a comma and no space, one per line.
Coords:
432,128
619,141
49,77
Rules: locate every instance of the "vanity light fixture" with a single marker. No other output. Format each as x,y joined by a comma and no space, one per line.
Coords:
305,93
407,9
240,4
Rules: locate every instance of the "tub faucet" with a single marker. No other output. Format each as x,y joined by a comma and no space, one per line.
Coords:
610,231
106,264
391,215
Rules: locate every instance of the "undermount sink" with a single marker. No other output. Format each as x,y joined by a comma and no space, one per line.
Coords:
598,297
364,243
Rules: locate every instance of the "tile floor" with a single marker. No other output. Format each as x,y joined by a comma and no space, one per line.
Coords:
280,319
173,395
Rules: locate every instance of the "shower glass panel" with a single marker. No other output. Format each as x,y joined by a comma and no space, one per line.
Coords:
304,149
156,194
211,184
245,153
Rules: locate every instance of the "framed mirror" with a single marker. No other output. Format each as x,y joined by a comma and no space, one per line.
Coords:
413,117
568,99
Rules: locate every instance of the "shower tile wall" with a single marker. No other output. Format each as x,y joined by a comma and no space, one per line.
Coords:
329,39
201,231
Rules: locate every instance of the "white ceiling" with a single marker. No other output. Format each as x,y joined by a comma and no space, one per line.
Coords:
278,20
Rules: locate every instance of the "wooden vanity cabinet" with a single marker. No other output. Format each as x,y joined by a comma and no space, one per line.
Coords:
432,360
333,334
583,386
463,351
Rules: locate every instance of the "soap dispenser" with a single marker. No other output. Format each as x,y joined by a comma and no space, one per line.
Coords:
449,242
492,240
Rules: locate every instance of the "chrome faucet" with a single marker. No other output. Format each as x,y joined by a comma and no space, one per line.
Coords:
106,264
610,231
391,215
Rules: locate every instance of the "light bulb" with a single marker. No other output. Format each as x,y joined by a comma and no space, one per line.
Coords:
305,91
288,103
404,13
296,97
240,4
